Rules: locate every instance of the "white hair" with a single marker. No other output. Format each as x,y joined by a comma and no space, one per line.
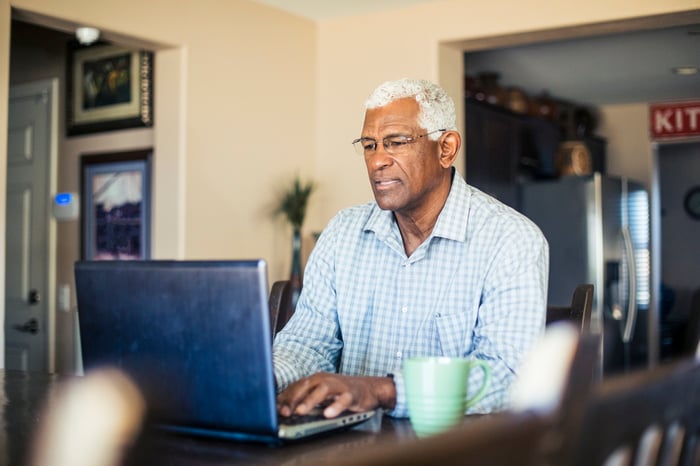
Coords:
437,109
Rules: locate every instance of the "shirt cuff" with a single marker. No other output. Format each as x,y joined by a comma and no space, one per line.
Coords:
284,374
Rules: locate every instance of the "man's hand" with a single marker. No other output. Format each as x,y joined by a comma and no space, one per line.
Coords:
343,392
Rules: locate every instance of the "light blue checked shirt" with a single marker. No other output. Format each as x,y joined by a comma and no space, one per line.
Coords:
476,288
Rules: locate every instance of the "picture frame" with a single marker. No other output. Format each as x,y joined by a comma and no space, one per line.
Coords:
108,88
116,205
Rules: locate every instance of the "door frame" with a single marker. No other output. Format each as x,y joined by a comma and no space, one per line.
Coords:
656,233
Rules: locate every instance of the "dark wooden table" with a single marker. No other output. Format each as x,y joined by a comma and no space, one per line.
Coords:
23,395
22,398
162,449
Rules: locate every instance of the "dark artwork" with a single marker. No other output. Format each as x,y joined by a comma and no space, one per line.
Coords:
107,81
118,231
115,209
118,209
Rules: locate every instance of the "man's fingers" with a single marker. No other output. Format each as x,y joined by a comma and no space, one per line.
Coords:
302,396
284,410
289,400
339,404
343,393
318,394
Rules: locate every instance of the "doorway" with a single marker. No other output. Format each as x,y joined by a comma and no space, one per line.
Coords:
39,53
679,165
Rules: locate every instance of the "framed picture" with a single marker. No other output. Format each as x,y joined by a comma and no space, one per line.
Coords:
108,88
116,205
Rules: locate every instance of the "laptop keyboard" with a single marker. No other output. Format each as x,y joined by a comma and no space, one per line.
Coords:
314,415
296,419
298,426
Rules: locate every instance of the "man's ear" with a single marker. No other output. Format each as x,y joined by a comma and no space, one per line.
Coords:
450,142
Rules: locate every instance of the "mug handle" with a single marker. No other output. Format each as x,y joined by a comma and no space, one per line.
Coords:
485,382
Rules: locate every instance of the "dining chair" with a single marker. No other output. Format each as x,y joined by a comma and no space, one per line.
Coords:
565,375
280,305
579,312
647,417
90,421
692,329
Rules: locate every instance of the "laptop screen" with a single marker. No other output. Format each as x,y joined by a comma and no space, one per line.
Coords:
194,335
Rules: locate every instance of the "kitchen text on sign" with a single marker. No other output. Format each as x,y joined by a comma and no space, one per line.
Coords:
677,119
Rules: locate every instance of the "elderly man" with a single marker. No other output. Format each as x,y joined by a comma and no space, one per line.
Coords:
432,267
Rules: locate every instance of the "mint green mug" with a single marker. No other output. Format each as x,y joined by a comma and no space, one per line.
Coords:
436,391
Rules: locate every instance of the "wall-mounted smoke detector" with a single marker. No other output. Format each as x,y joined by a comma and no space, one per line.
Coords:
87,35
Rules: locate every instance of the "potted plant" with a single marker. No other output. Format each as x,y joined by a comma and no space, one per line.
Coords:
292,205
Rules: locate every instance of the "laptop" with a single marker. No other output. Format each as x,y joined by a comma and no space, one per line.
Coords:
195,337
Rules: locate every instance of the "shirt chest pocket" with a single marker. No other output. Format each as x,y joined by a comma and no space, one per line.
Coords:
452,333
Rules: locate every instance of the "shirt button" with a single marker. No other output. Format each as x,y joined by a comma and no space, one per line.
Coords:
398,355
404,309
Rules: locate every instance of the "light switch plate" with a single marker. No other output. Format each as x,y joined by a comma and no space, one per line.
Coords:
64,298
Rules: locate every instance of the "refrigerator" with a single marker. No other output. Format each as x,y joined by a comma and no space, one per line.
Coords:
598,231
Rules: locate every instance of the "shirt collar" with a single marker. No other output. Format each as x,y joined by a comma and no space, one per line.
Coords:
451,223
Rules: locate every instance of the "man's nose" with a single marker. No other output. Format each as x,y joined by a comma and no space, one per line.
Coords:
379,158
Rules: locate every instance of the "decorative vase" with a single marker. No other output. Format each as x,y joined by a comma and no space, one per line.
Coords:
488,89
295,274
543,106
518,101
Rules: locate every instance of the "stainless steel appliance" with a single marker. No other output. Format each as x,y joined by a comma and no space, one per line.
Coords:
598,232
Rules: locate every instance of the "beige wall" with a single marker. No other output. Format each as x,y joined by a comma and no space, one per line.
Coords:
245,70
629,151
254,95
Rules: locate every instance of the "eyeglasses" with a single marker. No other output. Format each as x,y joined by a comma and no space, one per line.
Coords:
393,145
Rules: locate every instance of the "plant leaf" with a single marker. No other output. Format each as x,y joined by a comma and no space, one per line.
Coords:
293,202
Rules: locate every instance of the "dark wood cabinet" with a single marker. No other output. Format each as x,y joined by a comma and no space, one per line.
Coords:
491,139
504,148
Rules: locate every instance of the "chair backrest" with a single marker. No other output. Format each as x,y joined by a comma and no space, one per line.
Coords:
692,330
579,312
280,305
556,379
649,417
90,421
583,377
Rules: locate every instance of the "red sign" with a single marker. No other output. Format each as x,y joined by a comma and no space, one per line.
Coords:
675,119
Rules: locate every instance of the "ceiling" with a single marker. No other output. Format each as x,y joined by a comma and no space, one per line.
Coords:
595,70
329,9
605,69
